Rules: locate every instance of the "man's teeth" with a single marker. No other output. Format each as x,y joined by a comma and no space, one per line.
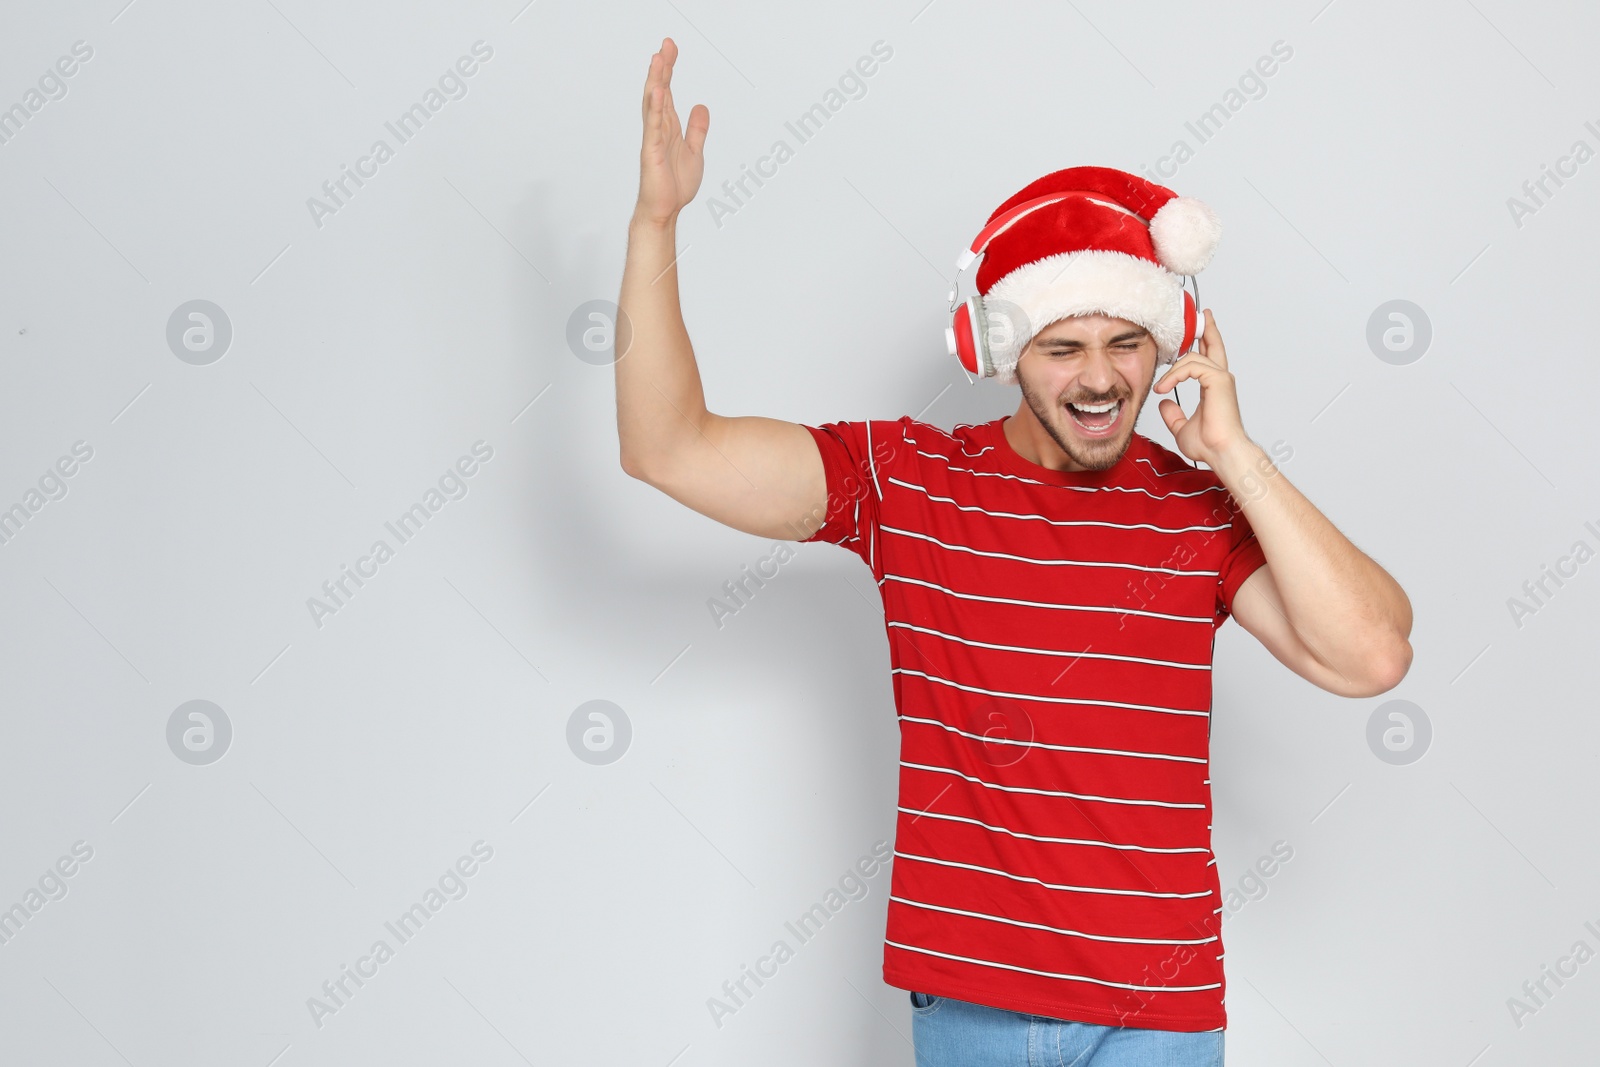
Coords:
1098,409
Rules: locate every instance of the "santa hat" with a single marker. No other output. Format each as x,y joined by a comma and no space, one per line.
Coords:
1119,250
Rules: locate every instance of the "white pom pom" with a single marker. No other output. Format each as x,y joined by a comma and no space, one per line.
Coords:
1185,233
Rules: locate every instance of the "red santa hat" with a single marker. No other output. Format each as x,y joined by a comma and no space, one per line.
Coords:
1119,249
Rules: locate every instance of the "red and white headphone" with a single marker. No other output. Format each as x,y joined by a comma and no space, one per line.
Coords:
967,336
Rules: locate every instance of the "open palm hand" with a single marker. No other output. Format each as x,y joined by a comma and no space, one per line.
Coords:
671,162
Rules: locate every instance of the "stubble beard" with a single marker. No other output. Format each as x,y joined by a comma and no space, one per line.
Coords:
1092,455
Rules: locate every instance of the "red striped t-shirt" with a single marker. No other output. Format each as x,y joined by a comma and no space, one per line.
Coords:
1050,643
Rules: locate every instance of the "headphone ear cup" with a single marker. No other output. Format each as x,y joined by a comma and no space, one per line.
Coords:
967,338
1191,324
958,339
980,336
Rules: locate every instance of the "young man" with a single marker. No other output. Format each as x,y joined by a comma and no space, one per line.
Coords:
1052,584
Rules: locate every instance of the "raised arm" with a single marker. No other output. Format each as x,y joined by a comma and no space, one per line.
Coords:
763,476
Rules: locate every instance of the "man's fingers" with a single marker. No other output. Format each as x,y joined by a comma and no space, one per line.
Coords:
650,80
671,111
662,129
652,120
1182,370
1173,416
699,123
1213,342
669,55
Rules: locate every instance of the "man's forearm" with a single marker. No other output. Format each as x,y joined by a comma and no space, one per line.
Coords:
659,399
1347,609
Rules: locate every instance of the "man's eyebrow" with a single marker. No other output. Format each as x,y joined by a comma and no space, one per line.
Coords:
1063,342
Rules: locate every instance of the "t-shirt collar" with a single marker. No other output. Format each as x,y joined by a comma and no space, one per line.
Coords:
1010,459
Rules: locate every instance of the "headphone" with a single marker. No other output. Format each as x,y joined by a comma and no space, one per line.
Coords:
967,336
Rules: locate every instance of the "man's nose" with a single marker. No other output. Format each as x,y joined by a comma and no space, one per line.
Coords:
1097,374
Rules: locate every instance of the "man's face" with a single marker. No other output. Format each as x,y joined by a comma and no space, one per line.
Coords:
1088,360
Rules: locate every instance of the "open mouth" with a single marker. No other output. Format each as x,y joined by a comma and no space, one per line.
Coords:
1097,420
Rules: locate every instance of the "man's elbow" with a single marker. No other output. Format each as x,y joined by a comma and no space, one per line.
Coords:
634,466
1387,670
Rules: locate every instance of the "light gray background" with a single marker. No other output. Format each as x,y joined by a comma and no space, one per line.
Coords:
432,312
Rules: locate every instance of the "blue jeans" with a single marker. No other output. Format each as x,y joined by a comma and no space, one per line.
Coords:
953,1033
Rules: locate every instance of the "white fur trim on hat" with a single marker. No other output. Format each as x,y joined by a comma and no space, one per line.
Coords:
1085,282
1185,233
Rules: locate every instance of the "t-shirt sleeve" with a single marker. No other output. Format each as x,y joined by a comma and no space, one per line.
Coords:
856,457
1244,556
